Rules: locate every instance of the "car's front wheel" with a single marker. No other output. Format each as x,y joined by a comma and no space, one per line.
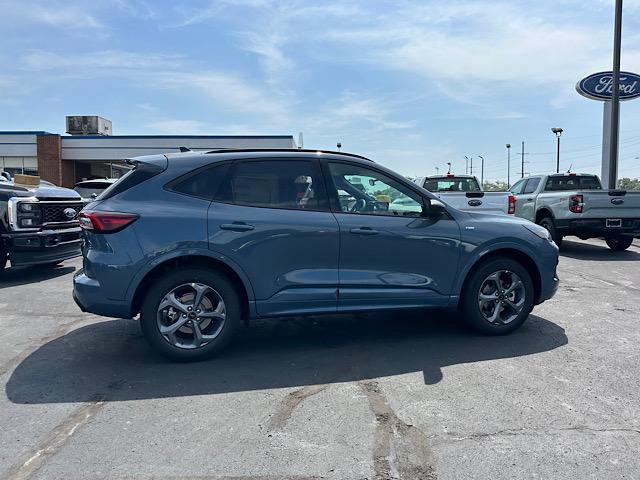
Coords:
191,314
619,243
498,297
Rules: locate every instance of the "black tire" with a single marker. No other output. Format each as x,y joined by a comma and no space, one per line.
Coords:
3,260
549,224
163,286
619,243
470,307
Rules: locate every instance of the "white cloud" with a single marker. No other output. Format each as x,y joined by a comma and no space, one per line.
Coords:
177,127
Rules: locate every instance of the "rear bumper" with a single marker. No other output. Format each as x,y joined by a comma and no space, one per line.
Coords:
47,246
597,227
88,296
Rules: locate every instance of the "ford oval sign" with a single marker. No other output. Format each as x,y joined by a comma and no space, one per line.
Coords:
474,203
599,86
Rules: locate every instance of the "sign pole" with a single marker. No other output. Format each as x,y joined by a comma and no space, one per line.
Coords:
615,100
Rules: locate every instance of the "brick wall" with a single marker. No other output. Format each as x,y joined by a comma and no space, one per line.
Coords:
50,158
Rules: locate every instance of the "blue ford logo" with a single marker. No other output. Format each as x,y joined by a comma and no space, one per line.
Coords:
617,201
599,86
474,203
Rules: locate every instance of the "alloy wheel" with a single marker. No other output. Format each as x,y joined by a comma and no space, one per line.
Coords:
501,297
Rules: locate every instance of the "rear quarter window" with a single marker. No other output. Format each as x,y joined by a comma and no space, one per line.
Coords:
203,182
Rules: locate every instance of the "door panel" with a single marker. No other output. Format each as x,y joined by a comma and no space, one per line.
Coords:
389,256
289,254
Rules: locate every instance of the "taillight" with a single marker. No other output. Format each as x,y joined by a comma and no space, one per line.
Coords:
512,205
105,222
576,203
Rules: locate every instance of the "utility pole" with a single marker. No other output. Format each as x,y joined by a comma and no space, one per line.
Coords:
471,162
522,174
508,164
615,100
481,170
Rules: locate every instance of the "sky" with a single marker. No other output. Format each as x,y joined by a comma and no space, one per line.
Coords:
411,84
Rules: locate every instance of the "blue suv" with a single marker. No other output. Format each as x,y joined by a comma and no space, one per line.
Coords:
198,242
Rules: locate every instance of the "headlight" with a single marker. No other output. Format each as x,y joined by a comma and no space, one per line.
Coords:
539,231
28,207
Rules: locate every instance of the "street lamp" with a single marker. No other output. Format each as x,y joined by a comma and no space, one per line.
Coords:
437,171
449,171
481,171
557,131
469,160
339,145
508,145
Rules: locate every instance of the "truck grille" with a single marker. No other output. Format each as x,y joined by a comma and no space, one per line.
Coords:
57,212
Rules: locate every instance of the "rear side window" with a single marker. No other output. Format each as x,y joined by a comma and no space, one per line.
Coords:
532,184
451,184
202,183
572,182
517,188
288,184
138,174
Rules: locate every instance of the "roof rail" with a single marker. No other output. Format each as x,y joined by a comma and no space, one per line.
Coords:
288,150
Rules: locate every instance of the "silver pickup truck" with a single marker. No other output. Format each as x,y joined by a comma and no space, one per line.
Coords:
464,193
575,204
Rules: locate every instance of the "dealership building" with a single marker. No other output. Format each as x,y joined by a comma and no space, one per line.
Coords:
90,151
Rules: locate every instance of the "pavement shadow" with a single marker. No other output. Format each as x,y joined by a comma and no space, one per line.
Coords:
15,276
110,360
588,251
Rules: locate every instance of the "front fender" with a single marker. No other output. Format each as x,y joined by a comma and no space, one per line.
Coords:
480,252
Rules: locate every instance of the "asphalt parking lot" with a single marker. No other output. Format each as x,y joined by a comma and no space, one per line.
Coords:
367,396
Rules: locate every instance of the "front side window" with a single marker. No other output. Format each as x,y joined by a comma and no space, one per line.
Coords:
288,184
532,184
363,191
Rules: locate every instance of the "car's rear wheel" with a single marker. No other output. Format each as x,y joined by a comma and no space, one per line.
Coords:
549,224
498,297
619,243
190,314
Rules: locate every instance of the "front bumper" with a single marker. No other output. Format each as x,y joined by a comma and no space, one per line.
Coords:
46,246
597,227
88,296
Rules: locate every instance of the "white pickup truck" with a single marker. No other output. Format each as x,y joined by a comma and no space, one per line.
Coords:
464,193
575,204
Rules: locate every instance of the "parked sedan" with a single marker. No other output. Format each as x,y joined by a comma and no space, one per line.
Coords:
197,242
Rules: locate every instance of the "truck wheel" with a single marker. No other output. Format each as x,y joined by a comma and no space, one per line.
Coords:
190,315
547,222
618,244
498,297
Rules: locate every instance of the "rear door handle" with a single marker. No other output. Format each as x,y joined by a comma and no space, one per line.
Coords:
237,227
364,231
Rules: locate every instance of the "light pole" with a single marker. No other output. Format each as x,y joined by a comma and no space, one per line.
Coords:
466,168
437,171
557,131
339,145
615,98
508,165
481,171
449,165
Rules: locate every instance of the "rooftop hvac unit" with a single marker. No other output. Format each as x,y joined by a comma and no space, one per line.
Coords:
88,125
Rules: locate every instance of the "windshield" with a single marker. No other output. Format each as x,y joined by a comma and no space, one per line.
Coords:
572,182
452,184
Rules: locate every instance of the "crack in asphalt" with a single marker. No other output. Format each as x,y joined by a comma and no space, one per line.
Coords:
400,450
55,440
524,431
289,404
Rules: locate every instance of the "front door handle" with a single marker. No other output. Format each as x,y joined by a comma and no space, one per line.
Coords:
529,199
237,227
364,231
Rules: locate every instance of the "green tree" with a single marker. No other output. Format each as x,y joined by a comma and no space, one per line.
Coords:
497,186
629,183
